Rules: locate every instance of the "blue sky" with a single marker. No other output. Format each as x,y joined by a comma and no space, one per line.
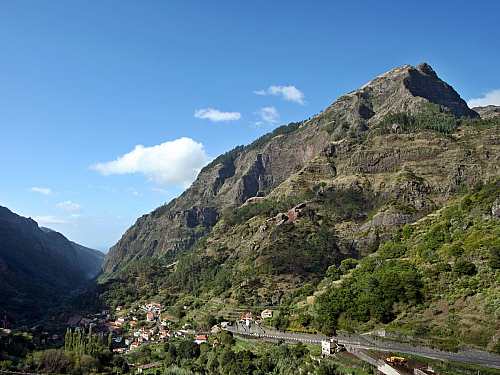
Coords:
109,108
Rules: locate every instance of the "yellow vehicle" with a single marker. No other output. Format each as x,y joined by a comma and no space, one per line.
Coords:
395,361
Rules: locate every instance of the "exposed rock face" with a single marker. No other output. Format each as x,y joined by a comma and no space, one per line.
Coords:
495,210
320,149
488,111
424,82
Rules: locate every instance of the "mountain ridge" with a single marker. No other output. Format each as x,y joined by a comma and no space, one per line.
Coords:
39,267
92,258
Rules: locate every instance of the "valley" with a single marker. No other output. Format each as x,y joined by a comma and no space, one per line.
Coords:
376,222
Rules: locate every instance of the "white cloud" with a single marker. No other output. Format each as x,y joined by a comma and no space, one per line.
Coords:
43,191
175,163
68,206
50,219
267,114
288,93
490,98
215,115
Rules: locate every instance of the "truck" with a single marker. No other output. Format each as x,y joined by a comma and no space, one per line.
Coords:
395,360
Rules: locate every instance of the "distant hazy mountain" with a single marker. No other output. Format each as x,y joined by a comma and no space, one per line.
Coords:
39,267
89,259
488,111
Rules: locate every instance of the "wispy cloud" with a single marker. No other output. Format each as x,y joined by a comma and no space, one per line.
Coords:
161,191
267,114
134,191
175,163
75,219
50,219
68,206
215,115
288,93
43,191
490,98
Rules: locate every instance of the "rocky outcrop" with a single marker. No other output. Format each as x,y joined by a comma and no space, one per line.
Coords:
495,209
424,82
487,111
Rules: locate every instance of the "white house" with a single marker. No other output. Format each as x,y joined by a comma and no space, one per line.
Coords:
200,339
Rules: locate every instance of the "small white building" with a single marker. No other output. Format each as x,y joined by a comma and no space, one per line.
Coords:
328,346
266,314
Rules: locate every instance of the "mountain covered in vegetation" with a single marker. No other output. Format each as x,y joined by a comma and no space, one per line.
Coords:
316,209
436,279
39,267
359,137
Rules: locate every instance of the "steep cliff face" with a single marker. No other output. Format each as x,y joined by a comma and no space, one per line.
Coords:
328,149
38,268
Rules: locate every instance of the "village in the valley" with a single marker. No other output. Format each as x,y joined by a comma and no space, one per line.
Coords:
131,328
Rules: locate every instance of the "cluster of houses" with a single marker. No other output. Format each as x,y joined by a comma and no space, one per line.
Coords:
102,322
91,321
154,307
248,318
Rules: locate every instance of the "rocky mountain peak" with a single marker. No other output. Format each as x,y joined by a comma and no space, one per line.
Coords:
423,82
254,170
426,69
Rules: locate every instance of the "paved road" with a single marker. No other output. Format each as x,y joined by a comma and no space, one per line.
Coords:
441,355
359,342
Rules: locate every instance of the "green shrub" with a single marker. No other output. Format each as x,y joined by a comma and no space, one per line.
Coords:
348,264
464,267
392,250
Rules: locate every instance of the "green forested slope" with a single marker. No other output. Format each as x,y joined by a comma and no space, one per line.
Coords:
438,278
38,269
